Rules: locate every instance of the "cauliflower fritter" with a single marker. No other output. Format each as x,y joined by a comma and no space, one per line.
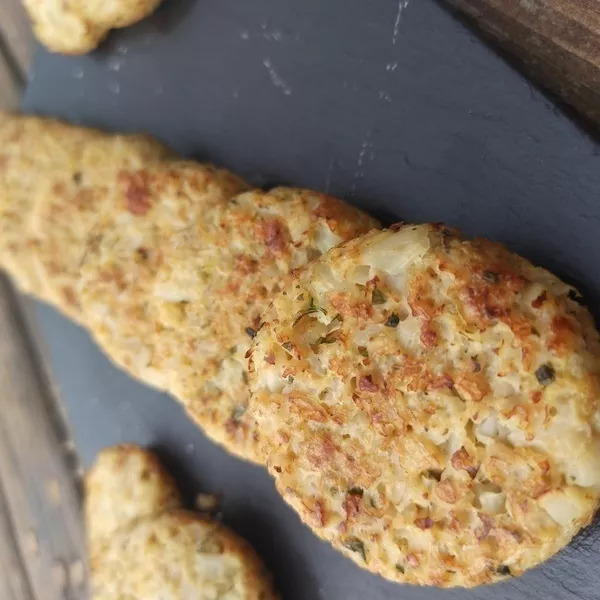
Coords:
143,545
57,180
169,263
215,281
430,405
78,26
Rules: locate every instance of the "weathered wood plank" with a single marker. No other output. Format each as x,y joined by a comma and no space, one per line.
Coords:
40,525
556,42
9,85
37,468
14,583
16,33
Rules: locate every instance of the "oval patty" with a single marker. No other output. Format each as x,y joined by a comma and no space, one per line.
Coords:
429,405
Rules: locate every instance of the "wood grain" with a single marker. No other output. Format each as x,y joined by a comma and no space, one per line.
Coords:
14,584
9,85
555,42
42,545
16,44
16,34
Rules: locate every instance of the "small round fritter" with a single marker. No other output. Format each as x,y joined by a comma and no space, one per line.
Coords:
126,483
78,26
430,405
213,283
178,555
143,545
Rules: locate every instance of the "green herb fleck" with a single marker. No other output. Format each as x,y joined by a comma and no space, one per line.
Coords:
251,332
357,546
238,413
378,297
490,277
545,374
576,296
362,350
400,568
290,379
356,491
503,570
312,308
328,339
393,320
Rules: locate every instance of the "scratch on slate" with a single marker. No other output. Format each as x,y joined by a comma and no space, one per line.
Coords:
385,96
273,35
361,154
402,4
360,159
277,81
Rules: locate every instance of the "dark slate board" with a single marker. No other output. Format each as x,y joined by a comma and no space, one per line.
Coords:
403,112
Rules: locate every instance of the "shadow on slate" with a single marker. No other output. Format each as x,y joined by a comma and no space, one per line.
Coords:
401,111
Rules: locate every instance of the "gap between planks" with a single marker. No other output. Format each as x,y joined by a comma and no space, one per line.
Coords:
42,540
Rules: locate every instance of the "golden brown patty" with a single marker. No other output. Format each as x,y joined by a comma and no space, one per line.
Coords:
169,263
429,404
143,545
215,281
78,26
150,208
56,183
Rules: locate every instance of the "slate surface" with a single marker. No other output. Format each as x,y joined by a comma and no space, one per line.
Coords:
395,107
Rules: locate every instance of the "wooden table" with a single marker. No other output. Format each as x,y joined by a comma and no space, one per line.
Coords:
555,42
41,536
16,45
